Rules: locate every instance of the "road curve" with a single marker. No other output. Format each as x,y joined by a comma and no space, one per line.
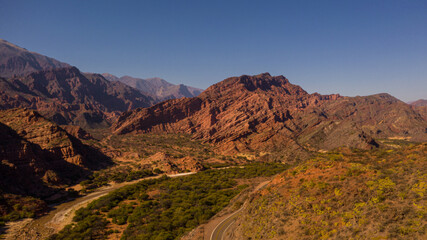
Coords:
220,229
62,214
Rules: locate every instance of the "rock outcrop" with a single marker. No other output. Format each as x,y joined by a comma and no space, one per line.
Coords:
37,156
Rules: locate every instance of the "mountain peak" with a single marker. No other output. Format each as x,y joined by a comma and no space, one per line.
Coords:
259,83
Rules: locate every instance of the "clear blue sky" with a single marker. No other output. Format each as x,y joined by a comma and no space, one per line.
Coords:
346,47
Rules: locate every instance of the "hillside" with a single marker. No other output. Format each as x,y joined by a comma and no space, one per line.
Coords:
19,61
38,156
266,113
347,194
419,103
157,87
68,96
421,107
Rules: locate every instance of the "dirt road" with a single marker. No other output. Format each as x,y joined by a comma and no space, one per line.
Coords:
62,214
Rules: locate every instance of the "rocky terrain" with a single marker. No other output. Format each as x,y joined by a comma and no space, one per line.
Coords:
38,156
157,87
266,113
19,61
67,96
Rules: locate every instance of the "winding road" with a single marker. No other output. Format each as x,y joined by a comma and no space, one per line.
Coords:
62,214
220,230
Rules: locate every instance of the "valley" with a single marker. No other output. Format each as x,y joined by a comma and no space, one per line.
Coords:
95,156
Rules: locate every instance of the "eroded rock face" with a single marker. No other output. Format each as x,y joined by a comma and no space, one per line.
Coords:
168,164
38,156
267,113
77,132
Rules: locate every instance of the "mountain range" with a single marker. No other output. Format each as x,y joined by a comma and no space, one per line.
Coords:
46,105
65,95
267,113
157,87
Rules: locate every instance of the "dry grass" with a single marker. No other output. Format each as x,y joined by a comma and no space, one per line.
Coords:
345,195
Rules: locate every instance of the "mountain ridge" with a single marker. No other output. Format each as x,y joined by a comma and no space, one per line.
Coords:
18,61
68,96
264,112
157,87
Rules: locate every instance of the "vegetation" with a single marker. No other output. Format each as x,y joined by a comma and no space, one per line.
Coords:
14,207
347,194
132,149
164,208
119,174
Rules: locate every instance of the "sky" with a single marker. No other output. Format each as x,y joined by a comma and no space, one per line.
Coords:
347,47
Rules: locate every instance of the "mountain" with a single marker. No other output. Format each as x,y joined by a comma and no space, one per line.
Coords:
419,103
420,106
267,113
157,87
67,96
38,157
19,61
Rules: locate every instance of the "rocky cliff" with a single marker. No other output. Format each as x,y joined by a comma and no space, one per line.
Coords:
37,156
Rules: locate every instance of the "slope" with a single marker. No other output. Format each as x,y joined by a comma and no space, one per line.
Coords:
266,113
38,157
19,61
67,96
350,194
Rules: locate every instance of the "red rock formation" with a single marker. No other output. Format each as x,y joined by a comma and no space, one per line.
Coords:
268,113
37,156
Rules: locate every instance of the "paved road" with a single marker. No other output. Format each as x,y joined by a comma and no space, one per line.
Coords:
221,228
219,232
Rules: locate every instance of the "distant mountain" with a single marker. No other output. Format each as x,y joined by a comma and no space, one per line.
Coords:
67,96
419,102
420,106
157,87
267,113
19,61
